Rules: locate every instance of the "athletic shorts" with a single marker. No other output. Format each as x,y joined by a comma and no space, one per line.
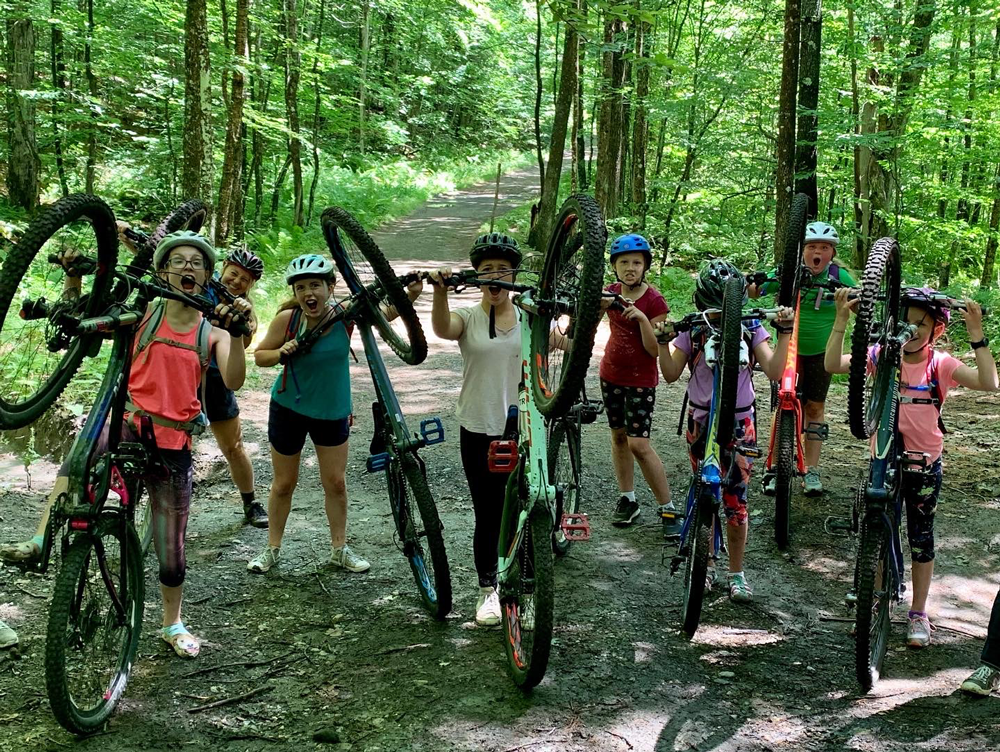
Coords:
629,407
814,381
287,430
219,401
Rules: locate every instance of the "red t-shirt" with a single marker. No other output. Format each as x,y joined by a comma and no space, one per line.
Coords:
625,361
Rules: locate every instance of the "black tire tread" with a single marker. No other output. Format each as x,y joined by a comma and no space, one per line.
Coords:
784,479
413,352
732,339
791,259
174,221
434,541
564,438
696,567
540,526
870,550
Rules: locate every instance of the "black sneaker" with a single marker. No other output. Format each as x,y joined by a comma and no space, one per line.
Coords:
625,513
255,514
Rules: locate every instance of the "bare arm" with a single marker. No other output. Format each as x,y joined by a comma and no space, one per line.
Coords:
672,362
268,352
984,376
231,357
835,360
446,325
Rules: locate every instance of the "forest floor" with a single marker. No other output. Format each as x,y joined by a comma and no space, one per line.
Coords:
352,662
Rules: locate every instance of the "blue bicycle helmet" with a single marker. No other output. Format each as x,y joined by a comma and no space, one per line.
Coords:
631,243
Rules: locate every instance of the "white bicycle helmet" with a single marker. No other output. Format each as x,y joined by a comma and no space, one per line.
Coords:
821,232
309,265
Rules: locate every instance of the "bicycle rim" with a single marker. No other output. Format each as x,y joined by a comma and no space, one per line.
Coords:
423,544
362,264
874,604
784,477
569,295
696,565
791,259
874,324
90,647
529,590
564,473
37,356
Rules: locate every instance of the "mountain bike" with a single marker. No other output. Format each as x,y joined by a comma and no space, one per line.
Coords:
559,317
95,616
726,352
880,331
374,289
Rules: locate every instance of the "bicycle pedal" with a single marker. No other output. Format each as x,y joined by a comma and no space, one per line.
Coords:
838,525
817,431
576,527
749,451
431,431
502,456
377,463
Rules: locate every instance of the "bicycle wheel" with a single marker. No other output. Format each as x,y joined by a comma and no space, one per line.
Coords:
791,259
699,536
361,264
38,353
729,361
190,215
784,477
431,573
564,473
874,604
526,600
91,644
569,298
875,322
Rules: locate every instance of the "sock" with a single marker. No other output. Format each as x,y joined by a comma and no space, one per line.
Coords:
918,613
668,506
247,498
38,540
735,574
174,629
630,495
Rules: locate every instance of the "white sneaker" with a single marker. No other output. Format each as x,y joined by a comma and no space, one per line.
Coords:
345,558
488,607
264,560
528,613
8,637
918,634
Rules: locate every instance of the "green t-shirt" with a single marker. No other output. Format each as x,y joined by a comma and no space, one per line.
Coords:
816,316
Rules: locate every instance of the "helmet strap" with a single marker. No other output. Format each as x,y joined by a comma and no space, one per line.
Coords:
631,288
493,322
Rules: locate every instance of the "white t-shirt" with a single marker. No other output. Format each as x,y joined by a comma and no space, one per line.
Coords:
491,371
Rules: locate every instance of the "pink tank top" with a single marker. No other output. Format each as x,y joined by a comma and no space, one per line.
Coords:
165,380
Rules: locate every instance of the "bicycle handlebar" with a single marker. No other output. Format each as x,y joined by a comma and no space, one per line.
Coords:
691,320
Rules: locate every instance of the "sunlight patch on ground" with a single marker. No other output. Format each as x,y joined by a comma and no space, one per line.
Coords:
620,552
824,565
727,637
890,693
963,602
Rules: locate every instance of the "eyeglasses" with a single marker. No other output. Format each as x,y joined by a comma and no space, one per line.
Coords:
179,262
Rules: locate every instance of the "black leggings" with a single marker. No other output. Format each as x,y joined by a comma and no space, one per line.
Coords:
991,650
487,491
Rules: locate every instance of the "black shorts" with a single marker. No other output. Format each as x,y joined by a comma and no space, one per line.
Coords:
629,407
219,402
814,381
287,430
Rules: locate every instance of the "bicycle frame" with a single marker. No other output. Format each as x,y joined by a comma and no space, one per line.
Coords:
788,399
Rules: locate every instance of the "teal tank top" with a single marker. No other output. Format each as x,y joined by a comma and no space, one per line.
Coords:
318,384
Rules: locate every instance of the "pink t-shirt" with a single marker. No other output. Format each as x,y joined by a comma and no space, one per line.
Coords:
625,361
164,381
699,389
918,423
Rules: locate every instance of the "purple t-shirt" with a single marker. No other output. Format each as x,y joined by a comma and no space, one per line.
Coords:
699,389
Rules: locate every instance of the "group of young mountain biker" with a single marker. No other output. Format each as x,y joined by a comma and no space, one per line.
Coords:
185,373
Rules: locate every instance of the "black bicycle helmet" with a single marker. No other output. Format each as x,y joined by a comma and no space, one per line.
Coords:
495,245
925,299
709,290
248,260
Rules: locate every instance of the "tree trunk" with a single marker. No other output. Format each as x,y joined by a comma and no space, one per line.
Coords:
988,278
365,21
315,123
292,63
609,122
808,103
279,181
23,162
232,165
59,85
170,141
581,146
785,171
196,178
538,93
91,168
640,126
567,89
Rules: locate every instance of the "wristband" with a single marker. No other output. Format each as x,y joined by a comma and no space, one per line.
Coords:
782,329
981,343
838,331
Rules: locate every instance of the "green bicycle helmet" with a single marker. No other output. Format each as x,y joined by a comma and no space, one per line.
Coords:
309,265
709,290
179,238
495,245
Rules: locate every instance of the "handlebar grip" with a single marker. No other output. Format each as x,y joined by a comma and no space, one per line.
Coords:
81,264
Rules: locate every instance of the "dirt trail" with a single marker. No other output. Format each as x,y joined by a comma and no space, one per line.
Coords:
355,657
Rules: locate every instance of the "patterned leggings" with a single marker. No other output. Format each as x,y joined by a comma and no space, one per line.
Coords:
737,477
170,498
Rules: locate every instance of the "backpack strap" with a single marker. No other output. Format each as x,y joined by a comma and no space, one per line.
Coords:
932,386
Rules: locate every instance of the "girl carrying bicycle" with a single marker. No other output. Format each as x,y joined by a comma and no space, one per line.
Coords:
311,397
926,376
629,377
490,342
686,350
816,317
241,269
163,386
